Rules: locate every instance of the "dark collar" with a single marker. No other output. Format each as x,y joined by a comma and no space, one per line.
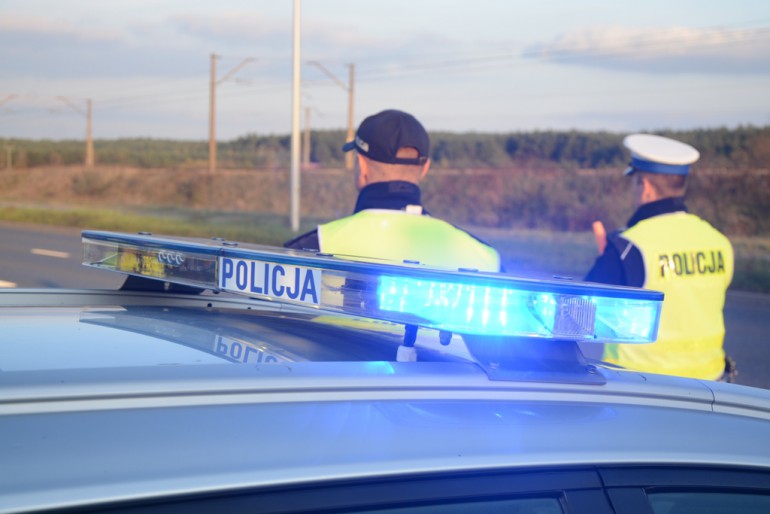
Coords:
394,195
665,206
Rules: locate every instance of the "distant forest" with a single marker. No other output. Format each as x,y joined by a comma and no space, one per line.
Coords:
556,181
722,148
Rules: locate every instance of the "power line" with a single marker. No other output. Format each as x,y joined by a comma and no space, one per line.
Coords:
465,64
615,50
611,48
618,49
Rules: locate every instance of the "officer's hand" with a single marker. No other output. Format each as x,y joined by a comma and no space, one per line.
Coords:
601,236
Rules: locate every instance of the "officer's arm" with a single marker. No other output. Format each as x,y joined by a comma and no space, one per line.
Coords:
621,264
607,268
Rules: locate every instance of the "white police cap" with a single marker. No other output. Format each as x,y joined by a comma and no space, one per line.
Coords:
658,154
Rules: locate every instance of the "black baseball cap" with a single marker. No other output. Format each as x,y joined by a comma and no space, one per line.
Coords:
380,136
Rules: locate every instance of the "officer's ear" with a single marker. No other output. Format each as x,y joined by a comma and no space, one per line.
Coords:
649,191
362,175
425,169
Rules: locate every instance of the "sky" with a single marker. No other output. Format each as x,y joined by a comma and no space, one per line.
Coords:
459,66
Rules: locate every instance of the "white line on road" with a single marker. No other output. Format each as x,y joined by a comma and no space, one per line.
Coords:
51,253
5,283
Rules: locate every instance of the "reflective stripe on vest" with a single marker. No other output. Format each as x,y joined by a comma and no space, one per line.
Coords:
692,264
380,234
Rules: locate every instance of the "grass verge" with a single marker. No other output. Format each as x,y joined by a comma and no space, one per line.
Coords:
254,228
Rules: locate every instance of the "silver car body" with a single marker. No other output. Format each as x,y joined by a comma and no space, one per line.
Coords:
113,397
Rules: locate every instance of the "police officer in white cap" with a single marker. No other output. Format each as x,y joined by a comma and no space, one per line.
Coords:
389,222
665,248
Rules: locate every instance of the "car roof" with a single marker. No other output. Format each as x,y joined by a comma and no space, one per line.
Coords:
91,328
109,431
111,396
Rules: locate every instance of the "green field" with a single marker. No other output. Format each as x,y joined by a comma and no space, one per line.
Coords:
533,253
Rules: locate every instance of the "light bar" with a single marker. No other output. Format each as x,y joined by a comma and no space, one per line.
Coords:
186,262
462,302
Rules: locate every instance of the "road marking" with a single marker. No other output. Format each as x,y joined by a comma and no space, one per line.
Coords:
51,253
5,283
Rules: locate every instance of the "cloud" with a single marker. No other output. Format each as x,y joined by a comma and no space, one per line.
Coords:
179,44
42,47
271,37
41,30
662,50
231,27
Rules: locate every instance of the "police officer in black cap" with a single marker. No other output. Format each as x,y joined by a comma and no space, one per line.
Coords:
666,248
389,222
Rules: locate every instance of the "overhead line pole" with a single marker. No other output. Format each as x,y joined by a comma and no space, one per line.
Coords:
306,140
212,114
89,157
351,94
89,135
295,115
8,148
351,79
213,83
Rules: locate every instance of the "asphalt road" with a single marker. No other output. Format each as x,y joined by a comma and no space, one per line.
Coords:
34,256
40,256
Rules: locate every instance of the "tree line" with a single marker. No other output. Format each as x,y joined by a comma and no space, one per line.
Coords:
745,147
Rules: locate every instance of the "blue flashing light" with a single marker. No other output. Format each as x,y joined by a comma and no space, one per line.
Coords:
490,310
469,308
627,321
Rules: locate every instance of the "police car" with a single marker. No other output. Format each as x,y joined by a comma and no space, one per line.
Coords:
236,378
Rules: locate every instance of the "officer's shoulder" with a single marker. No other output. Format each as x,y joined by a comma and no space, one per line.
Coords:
470,234
618,241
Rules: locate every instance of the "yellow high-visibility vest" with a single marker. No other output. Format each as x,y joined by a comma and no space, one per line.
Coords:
398,236
692,264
